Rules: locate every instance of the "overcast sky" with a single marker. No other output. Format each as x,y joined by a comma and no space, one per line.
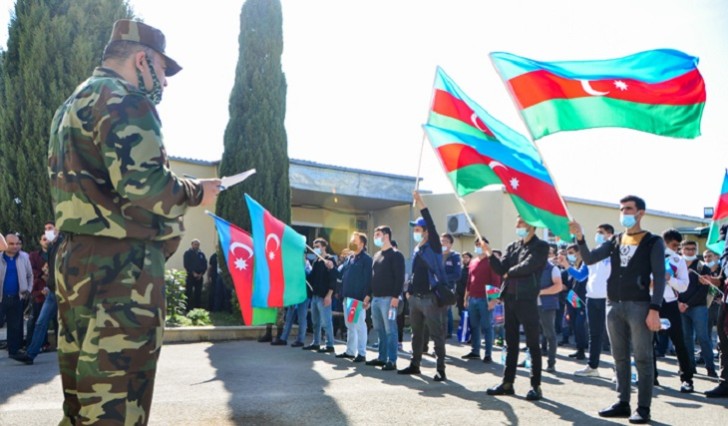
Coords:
360,77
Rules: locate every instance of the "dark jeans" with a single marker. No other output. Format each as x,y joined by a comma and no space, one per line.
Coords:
30,325
577,321
549,334
13,308
723,343
627,328
675,332
596,312
193,291
424,312
48,314
517,313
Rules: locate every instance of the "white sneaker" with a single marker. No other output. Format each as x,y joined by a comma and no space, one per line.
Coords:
587,372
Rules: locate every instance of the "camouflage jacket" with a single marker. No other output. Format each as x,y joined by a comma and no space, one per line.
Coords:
109,173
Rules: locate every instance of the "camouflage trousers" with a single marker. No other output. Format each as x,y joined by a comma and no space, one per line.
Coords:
111,309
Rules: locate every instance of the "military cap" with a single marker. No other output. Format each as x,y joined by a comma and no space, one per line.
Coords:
139,32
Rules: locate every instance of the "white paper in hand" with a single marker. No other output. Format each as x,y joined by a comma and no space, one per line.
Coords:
229,181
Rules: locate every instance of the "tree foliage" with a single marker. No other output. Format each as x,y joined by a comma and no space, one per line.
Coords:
53,45
255,136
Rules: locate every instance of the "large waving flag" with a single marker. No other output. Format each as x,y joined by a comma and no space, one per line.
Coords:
476,150
720,218
657,91
280,275
238,248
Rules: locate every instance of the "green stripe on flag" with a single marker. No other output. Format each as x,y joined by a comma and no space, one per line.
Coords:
678,121
472,178
558,225
262,316
294,272
712,242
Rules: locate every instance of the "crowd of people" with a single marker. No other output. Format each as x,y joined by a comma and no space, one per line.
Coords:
636,294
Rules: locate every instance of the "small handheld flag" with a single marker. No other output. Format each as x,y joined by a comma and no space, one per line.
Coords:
574,299
492,292
353,309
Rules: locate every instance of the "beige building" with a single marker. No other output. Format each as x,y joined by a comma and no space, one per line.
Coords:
333,201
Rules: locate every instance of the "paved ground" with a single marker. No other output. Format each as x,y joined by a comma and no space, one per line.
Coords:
249,383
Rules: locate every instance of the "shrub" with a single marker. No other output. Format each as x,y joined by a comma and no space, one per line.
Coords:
199,316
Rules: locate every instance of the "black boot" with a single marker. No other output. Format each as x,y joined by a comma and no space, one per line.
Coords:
267,337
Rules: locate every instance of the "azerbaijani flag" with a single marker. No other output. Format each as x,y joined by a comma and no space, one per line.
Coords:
574,299
353,309
238,249
657,91
280,275
492,292
476,150
720,218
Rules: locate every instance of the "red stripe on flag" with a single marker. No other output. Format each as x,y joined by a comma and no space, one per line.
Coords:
240,264
538,86
721,210
274,256
445,103
533,191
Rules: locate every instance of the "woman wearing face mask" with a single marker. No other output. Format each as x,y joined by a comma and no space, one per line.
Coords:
427,271
575,308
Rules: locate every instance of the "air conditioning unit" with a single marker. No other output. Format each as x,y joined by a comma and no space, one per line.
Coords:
457,224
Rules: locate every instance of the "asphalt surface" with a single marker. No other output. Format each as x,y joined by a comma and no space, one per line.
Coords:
250,383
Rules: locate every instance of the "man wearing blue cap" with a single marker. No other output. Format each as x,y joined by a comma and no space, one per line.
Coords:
427,271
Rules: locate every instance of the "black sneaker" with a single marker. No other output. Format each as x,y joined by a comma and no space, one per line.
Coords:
359,358
311,348
344,355
687,387
22,357
501,389
389,366
712,373
618,409
296,344
279,342
640,416
440,376
487,360
409,370
471,355
577,355
326,350
534,394
375,362
265,338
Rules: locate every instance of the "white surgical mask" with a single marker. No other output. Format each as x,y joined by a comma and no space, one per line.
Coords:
599,239
521,232
627,220
478,251
669,251
50,235
710,264
317,251
378,242
417,236
571,258
690,258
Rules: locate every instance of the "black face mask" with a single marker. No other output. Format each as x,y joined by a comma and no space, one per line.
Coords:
155,94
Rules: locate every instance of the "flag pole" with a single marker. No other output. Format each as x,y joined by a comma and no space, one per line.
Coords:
523,120
314,252
419,164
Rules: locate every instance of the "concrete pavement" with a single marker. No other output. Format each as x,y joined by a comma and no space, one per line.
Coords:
249,383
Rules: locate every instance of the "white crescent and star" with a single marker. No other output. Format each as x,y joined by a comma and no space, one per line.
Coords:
513,182
474,119
240,263
591,91
274,237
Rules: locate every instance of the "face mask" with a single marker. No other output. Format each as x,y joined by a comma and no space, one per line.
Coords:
50,235
669,251
478,251
690,258
444,249
627,220
599,239
571,258
155,94
317,251
417,236
710,264
378,242
521,232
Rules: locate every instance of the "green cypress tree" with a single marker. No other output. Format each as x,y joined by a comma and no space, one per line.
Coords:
255,136
53,45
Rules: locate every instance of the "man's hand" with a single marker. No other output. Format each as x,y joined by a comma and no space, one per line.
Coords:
418,200
682,307
329,264
45,291
492,303
366,303
465,303
486,247
327,300
575,229
561,260
653,320
395,302
708,280
210,191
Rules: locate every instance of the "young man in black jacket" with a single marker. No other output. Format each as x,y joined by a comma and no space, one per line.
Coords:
638,258
356,278
323,283
521,267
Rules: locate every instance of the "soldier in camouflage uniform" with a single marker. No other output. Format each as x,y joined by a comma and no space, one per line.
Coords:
120,209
